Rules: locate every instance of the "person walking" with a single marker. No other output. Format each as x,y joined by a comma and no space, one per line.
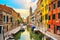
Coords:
32,28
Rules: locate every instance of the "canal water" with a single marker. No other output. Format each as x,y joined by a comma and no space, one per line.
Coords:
25,35
28,35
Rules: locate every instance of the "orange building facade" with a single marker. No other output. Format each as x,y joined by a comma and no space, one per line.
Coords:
54,17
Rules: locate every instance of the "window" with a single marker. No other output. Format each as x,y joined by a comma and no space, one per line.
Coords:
41,19
58,28
40,13
32,20
54,6
49,8
48,17
42,5
32,17
4,18
7,27
58,3
58,15
46,7
11,19
53,16
49,26
7,18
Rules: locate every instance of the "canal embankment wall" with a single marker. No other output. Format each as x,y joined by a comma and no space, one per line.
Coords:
14,31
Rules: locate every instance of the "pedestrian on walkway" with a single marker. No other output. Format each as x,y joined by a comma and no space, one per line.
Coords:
32,28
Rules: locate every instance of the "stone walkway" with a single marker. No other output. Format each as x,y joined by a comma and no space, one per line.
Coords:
53,36
10,32
1,36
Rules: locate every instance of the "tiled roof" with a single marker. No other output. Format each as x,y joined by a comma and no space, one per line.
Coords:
6,8
9,10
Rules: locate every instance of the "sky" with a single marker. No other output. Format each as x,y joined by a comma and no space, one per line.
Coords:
21,6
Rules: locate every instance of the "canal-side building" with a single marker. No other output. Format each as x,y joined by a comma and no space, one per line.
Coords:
29,17
42,9
5,20
7,14
44,6
54,16
44,14
14,19
29,20
36,15
19,19
8,19
34,18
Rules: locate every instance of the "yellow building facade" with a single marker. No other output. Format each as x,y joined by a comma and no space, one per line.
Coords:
47,2
44,8
46,13
44,4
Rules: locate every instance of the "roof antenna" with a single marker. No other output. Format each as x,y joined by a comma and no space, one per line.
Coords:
4,4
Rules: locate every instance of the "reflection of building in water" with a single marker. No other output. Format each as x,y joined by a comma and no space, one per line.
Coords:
25,35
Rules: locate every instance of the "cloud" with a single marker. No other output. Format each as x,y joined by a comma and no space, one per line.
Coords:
23,12
27,3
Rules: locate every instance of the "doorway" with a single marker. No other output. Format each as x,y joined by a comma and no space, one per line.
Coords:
58,28
0,29
55,28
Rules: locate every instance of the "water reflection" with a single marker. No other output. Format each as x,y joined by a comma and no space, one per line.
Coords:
25,35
